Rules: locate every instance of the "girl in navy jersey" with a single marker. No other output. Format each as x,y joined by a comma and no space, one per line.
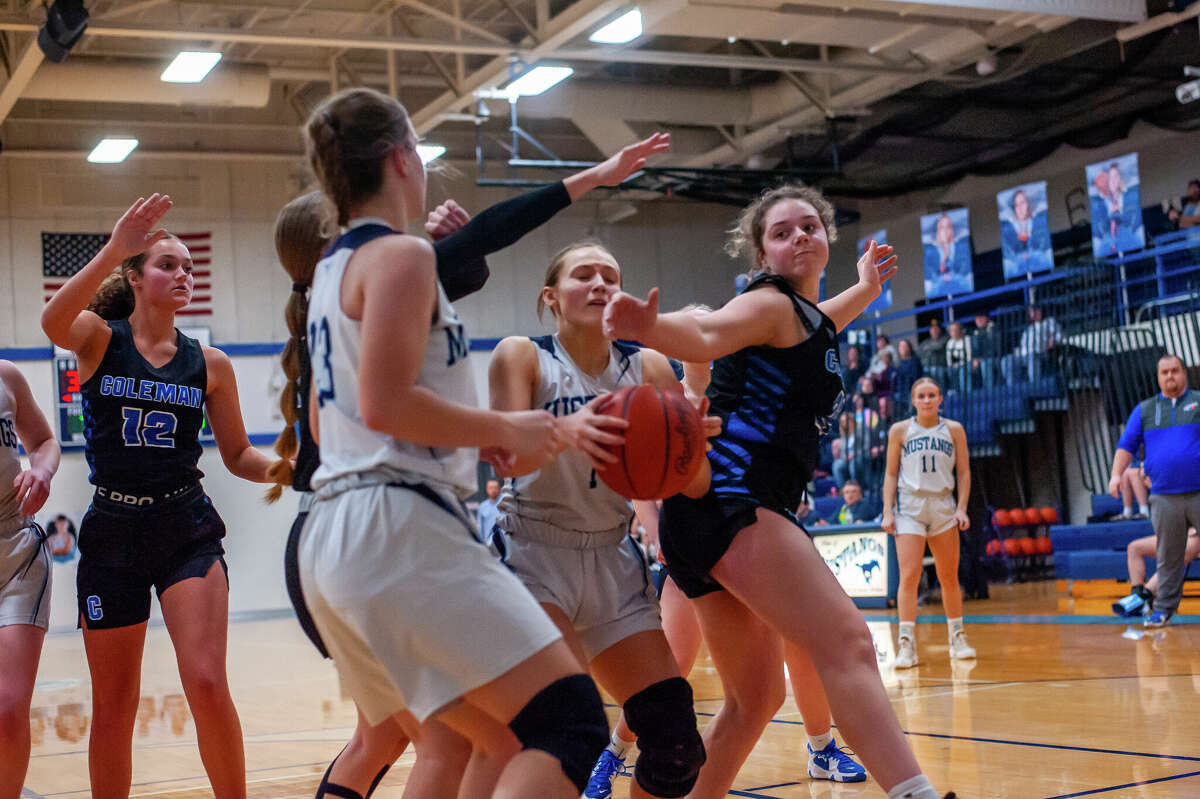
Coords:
145,389
566,532
460,247
756,580
421,621
24,567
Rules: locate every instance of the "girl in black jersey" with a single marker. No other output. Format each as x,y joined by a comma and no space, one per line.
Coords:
460,247
145,389
755,579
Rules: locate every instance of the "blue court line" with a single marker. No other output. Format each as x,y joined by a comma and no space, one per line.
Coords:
29,793
205,777
1126,785
750,793
1033,619
776,785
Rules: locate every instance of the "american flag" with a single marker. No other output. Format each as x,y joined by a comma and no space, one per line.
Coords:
64,254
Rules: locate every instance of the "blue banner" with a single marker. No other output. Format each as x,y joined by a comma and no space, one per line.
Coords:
946,239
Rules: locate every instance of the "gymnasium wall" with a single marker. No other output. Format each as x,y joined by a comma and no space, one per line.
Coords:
674,245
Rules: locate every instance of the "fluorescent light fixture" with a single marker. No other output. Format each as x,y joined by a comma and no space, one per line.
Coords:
112,151
537,80
624,28
190,67
429,152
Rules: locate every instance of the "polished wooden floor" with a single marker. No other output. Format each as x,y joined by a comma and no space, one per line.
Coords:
1051,708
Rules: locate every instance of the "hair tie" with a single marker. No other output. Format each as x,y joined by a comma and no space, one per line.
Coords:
299,288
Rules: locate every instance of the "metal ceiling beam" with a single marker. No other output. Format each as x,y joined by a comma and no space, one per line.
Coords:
615,55
31,58
1112,10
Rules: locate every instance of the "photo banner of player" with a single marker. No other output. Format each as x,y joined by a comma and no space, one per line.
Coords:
1025,230
1115,196
946,240
884,300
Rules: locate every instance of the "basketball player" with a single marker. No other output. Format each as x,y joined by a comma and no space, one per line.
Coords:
24,567
566,533
826,760
460,248
146,388
924,454
418,616
737,552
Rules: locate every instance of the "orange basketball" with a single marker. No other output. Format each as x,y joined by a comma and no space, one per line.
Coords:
1027,546
1044,545
1049,515
1003,519
994,547
664,443
1033,515
1011,546
1018,517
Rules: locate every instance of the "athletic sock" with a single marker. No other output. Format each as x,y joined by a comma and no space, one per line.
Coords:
618,745
917,787
1127,511
819,742
955,626
907,630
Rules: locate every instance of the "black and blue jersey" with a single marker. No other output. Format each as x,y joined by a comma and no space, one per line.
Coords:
142,424
774,404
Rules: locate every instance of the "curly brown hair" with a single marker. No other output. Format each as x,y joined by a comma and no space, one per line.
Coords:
745,237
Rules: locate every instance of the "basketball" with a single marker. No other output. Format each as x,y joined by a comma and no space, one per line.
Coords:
1018,517
1011,547
664,443
1049,515
1003,519
1044,545
1027,546
994,547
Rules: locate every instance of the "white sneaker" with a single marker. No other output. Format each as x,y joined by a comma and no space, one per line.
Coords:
906,654
959,648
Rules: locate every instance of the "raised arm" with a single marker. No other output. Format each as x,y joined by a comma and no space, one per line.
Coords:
876,266
64,319
32,484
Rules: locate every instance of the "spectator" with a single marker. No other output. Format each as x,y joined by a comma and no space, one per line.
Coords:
853,509
845,466
61,538
1169,427
1133,486
1035,349
985,349
1189,215
958,358
852,369
1141,597
487,510
884,377
932,352
883,346
906,370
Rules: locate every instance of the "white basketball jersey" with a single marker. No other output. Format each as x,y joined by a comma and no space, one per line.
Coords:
335,344
927,459
566,492
10,459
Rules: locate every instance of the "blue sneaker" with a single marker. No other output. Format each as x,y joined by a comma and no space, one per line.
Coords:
606,769
832,763
1157,619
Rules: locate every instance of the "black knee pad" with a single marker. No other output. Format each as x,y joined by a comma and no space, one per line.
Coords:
671,750
566,720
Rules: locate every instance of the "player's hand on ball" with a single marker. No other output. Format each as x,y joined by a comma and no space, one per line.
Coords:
591,432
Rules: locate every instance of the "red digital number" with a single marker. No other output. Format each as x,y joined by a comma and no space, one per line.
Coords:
72,384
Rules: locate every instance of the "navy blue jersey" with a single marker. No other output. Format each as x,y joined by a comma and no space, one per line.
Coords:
142,424
775,403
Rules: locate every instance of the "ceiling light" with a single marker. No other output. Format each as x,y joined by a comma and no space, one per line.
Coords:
429,152
537,80
624,28
731,39
112,151
190,67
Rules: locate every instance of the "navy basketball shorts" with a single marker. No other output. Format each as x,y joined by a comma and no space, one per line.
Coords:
126,551
291,577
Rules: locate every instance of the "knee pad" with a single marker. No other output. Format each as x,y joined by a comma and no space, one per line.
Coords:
565,720
671,750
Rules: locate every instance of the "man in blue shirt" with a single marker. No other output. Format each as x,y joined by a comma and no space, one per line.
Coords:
487,510
1169,426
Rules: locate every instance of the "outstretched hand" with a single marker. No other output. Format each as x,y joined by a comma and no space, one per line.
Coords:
627,317
877,265
137,230
620,166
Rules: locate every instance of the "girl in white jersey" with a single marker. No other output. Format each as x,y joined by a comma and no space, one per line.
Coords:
24,567
421,621
923,456
566,532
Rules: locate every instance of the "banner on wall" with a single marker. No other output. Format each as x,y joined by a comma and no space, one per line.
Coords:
1115,198
64,254
946,240
1025,230
884,301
